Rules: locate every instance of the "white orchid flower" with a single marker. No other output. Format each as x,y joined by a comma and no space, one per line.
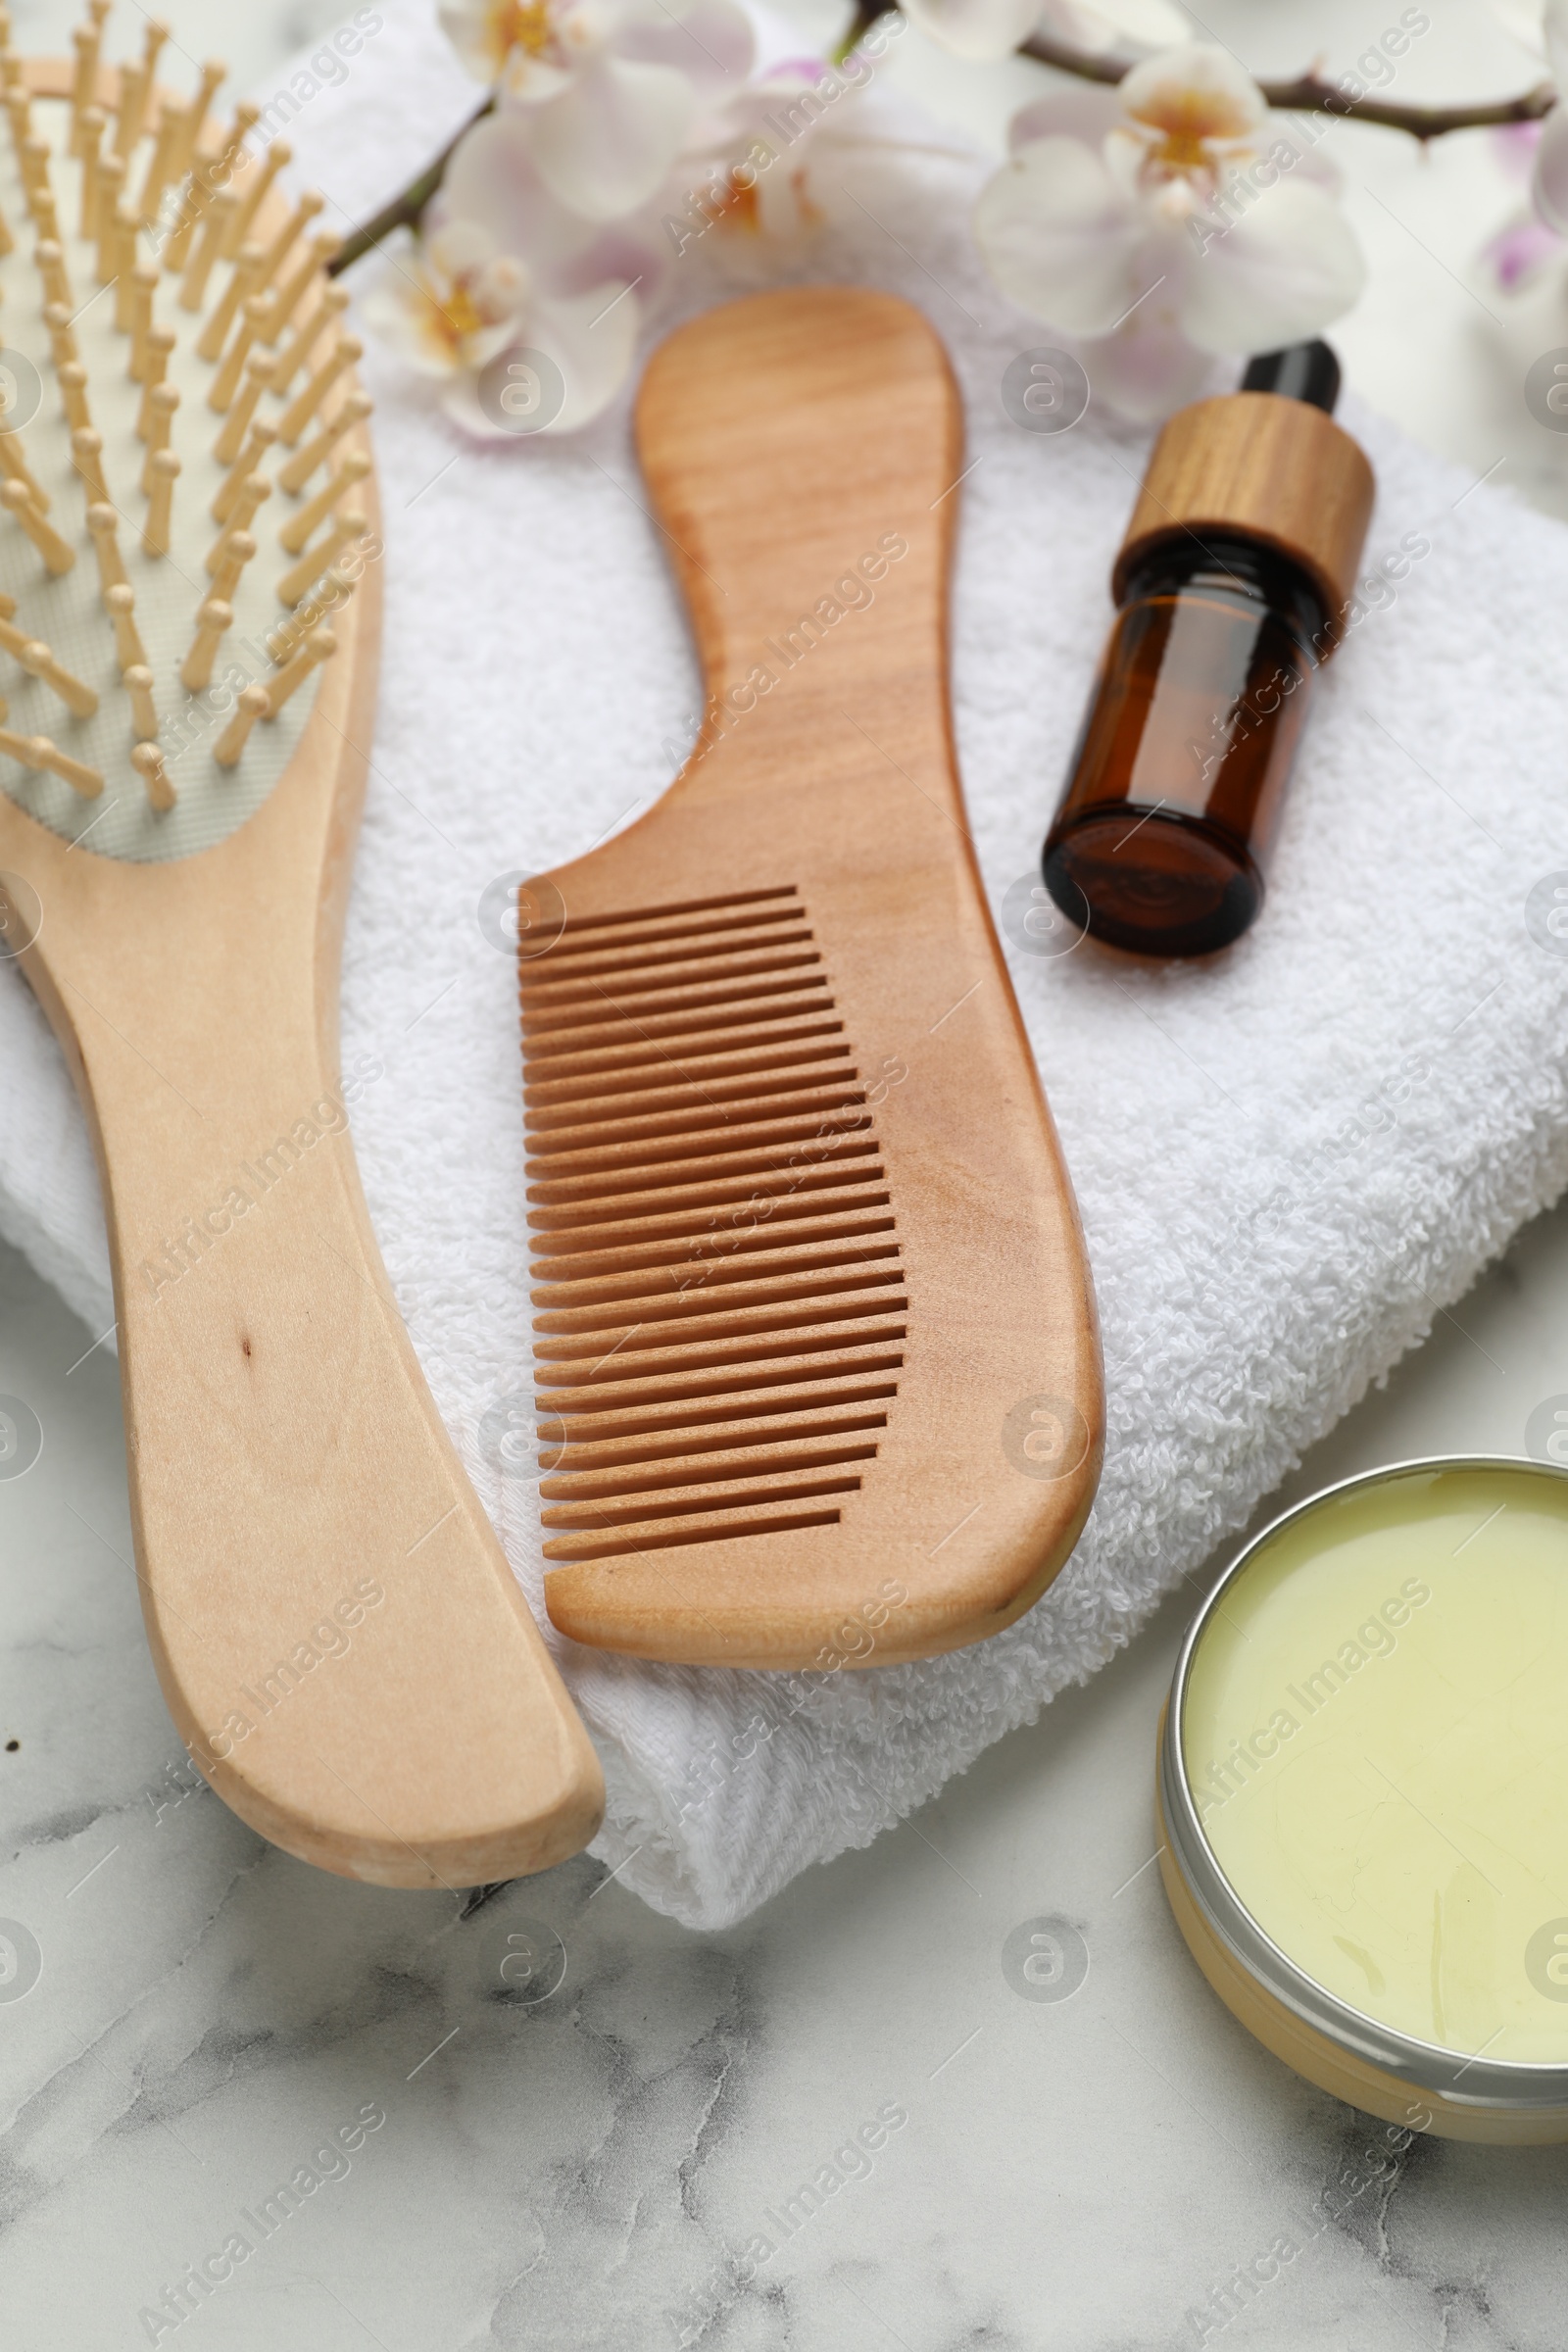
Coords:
742,181
1164,221
767,172
455,306
1543,30
990,29
504,268
612,89
1549,184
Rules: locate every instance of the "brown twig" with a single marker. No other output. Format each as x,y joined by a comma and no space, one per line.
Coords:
866,14
405,211
1310,94
1307,94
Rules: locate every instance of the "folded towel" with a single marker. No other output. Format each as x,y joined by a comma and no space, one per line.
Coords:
1288,1158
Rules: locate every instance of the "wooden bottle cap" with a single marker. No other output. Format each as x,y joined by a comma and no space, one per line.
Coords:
1256,466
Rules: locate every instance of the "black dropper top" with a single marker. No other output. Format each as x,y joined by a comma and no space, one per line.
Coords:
1307,371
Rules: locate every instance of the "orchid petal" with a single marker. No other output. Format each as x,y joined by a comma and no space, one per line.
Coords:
1126,153
1196,91
1087,113
1282,272
474,28
1555,37
493,181
1060,238
978,29
605,143
710,42
592,338
395,317
1518,252
408,308
1146,23
1101,24
488,342
530,81
1513,148
1147,369
634,252
1310,164
459,244
1550,186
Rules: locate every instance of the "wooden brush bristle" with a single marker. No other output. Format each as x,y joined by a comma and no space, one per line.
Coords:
175,307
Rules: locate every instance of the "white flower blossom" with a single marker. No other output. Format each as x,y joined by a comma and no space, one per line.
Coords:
767,170
1164,221
503,266
1549,182
612,89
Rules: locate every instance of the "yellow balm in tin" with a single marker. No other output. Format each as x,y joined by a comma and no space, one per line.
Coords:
1364,1795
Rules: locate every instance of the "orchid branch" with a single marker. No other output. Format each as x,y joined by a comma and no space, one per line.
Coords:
1310,94
406,209
866,14
1307,94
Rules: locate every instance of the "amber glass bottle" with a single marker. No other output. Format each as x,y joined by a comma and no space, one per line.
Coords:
1231,581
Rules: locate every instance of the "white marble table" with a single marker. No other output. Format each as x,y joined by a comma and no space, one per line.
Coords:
553,2120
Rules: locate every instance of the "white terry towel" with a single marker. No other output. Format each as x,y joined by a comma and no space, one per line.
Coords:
1288,1158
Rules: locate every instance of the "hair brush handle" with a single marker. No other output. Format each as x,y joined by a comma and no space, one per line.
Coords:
337,1632
338,1635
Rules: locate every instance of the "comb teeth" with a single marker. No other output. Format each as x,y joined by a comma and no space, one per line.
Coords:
720,1301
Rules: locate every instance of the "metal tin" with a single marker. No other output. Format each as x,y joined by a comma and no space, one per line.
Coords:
1417,2084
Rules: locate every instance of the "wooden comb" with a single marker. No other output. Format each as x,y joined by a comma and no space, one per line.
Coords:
819,1374
339,1638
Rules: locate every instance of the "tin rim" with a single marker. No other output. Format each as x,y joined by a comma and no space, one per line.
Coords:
1516,2084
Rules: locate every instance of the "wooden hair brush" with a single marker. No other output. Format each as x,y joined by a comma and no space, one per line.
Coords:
818,1376
338,1635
